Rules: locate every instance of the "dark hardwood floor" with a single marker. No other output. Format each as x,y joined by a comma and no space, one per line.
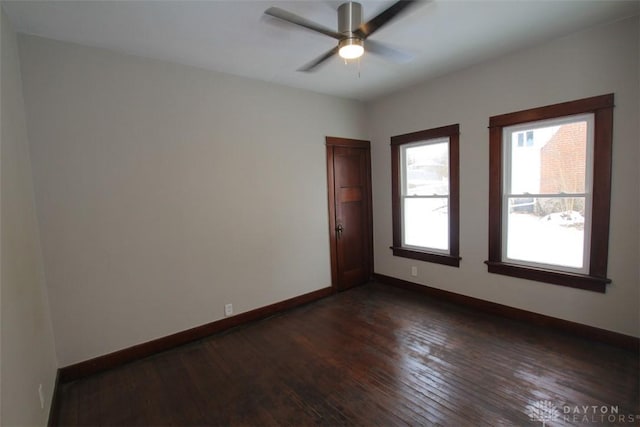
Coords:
374,355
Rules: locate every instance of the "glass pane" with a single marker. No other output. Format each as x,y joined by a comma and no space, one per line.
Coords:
549,160
427,169
426,223
546,230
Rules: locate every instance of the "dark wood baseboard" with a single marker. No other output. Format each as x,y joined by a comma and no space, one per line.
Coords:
54,410
120,357
596,334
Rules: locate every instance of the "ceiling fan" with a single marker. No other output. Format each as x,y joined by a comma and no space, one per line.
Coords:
352,33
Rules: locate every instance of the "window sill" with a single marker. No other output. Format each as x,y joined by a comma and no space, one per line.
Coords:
573,280
453,261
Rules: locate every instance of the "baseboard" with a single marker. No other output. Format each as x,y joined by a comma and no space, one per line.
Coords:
55,403
596,334
111,360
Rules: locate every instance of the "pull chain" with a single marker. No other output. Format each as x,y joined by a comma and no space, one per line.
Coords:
346,63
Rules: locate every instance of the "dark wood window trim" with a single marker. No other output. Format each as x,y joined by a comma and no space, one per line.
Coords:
453,133
602,108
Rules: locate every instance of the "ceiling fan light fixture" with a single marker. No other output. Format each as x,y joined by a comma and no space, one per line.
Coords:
351,48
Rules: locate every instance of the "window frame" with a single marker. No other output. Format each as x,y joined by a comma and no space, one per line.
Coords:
596,278
452,258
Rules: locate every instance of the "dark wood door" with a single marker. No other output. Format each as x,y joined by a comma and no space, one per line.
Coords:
350,217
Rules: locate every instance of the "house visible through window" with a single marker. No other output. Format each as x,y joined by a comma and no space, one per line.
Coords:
549,193
425,193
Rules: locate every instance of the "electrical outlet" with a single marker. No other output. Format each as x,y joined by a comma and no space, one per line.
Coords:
414,271
228,309
41,394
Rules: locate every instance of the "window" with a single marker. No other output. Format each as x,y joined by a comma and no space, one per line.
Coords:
550,179
425,177
521,138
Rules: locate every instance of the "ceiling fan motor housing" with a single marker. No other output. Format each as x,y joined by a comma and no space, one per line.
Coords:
349,18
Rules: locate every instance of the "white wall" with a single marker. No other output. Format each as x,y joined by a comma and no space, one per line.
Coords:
27,352
166,191
594,62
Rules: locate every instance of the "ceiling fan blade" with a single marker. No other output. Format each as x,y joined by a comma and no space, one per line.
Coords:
388,52
319,60
383,18
276,12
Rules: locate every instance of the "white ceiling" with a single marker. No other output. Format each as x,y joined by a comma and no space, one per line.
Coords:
235,37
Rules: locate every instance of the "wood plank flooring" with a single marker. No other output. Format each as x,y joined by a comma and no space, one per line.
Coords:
374,355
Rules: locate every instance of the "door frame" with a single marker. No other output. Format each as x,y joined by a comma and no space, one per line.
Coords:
331,143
